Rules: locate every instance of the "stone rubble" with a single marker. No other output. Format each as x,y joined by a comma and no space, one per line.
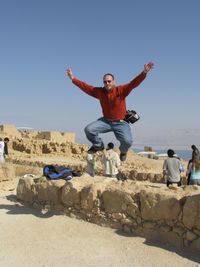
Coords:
134,207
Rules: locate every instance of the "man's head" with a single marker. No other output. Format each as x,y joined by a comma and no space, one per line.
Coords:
108,81
6,140
110,146
193,147
170,153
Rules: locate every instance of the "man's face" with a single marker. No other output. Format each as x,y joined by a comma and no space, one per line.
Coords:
108,82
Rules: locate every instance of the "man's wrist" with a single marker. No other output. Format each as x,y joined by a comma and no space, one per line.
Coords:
144,72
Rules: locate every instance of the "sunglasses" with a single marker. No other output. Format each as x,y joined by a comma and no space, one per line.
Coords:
109,81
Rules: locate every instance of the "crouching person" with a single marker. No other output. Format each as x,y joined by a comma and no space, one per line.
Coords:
111,161
172,169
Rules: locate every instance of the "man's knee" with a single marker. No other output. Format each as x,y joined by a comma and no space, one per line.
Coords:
88,129
128,142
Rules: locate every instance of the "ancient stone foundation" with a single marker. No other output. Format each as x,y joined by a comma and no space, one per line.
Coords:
7,172
152,211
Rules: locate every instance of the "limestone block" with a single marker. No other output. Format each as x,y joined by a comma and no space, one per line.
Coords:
142,176
190,236
126,221
159,205
197,232
149,225
6,172
25,189
118,216
138,220
191,212
132,210
76,149
165,228
50,191
133,174
9,129
158,177
46,149
96,210
151,177
88,197
113,200
178,230
71,193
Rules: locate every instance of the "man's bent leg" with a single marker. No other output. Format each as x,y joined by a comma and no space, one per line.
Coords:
93,129
122,131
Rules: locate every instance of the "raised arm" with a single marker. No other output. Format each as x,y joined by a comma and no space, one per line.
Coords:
88,89
127,88
69,73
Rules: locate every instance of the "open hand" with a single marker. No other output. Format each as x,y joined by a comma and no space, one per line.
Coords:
148,67
69,73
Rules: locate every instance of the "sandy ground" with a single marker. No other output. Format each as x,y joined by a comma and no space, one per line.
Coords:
31,238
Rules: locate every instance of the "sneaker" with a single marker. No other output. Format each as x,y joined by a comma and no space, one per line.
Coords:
94,149
123,156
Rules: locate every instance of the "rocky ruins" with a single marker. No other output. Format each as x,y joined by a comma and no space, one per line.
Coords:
141,205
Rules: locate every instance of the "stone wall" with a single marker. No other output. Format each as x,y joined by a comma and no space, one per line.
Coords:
7,172
53,136
169,215
56,136
9,130
40,147
81,165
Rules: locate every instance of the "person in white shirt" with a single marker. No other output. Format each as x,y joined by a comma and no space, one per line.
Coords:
2,151
111,161
172,168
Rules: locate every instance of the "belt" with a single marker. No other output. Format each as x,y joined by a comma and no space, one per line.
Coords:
114,120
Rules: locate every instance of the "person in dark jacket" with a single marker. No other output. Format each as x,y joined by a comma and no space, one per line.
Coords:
6,140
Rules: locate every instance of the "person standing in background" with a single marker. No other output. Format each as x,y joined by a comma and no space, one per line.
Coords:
91,163
2,151
6,140
172,169
194,172
195,152
111,161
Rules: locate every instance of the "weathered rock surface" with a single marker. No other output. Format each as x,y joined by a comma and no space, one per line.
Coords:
159,212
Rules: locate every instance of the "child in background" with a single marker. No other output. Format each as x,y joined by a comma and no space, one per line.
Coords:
111,161
91,164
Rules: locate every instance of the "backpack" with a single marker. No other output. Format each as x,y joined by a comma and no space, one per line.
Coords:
131,116
55,172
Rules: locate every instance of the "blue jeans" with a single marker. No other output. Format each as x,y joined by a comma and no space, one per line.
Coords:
121,130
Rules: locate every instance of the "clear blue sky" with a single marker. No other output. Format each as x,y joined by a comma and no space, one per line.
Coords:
41,38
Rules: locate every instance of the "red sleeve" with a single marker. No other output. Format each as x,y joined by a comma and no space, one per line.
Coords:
127,88
88,89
